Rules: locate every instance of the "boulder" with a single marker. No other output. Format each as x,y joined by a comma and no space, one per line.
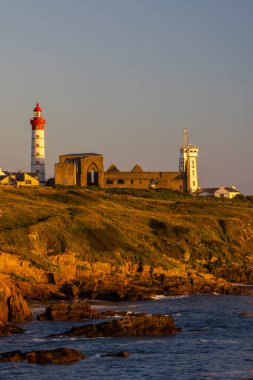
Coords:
56,356
13,307
69,312
9,329
121,354
132,324
18,308
12,356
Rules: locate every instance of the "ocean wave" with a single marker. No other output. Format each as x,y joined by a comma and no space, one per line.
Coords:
232,374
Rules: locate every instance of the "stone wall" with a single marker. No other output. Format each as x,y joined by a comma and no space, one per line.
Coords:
142,180
65,174
76,169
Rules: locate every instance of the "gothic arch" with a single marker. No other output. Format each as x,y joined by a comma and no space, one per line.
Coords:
92,175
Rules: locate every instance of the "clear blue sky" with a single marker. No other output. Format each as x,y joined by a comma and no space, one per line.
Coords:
124,77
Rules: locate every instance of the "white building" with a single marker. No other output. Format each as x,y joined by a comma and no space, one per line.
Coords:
219,192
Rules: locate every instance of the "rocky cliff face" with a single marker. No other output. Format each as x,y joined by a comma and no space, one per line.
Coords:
106,281
13,307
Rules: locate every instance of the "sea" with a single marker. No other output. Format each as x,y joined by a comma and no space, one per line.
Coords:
216,342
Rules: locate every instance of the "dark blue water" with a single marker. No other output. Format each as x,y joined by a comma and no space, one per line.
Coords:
216,343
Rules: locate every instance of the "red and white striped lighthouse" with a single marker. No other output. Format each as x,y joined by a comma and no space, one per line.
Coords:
38,144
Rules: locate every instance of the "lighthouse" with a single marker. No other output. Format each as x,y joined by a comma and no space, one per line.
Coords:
38,144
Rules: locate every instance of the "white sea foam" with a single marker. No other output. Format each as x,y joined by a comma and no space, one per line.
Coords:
117,316
162,297
148,340
96,356
39,340
56,339
158,297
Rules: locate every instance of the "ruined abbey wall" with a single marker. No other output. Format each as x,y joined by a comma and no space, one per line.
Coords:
88,170
145,180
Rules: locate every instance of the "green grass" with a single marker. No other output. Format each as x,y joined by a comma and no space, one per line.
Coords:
145,227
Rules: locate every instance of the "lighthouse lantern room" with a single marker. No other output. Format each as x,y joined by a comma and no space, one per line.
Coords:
38,145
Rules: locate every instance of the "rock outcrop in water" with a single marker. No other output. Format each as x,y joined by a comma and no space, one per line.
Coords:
69,312
121,354
56,356
137,324
9,329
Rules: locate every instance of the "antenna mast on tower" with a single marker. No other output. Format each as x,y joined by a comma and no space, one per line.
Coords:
185,132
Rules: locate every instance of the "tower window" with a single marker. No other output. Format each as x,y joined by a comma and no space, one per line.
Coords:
37,162
37,136
193,172
37,154
193,183
37,145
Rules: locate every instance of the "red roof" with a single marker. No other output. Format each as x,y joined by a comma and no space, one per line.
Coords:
37,108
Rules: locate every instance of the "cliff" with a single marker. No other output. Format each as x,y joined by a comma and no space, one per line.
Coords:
57,243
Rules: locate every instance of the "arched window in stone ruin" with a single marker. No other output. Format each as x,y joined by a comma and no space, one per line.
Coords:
92,175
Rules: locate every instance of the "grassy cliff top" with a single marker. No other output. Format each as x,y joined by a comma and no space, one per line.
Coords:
153,227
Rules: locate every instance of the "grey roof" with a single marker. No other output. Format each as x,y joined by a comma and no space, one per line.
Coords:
6,176
20,176
212,190
82,154
232,189
209,190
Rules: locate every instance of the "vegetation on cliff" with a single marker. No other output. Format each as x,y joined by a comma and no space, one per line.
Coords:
56,235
